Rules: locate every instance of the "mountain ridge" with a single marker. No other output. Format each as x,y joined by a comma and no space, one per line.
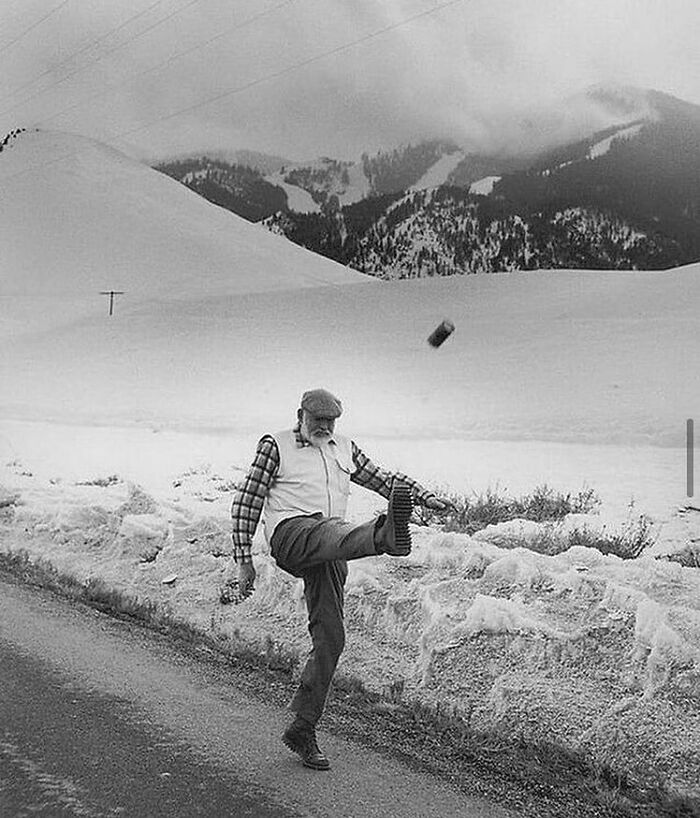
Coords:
624,197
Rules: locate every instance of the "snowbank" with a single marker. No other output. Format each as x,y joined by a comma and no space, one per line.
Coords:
587,650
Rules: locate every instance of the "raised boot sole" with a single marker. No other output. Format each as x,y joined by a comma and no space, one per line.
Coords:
400,508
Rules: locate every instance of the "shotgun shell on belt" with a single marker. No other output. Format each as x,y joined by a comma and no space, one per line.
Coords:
441,333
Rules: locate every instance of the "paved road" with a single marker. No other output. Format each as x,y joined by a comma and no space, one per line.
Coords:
98,718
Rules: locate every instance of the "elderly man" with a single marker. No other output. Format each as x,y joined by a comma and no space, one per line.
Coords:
300,481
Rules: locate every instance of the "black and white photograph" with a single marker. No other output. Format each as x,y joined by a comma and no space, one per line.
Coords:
349,365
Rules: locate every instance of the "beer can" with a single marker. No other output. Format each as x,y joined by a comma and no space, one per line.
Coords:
441,333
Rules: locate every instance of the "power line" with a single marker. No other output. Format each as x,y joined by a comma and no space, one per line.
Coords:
169,60
6,48
289,69
72,56
259,81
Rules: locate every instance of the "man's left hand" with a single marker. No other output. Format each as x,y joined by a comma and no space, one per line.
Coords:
440,504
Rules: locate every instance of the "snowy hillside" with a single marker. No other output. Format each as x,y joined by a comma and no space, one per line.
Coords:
323,181
443,232
483,187
564,356
332,183
77,217
298,199
438,173
602,147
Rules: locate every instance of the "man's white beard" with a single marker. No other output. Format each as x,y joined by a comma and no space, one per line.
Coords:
318,441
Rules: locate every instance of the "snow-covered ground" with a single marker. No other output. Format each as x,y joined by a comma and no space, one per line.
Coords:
298,199
602,147
358,186
571,357
438,173
121,439
484,187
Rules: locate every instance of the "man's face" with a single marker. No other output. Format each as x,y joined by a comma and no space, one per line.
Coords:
317,429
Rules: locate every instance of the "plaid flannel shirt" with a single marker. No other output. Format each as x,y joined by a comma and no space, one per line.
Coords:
249,498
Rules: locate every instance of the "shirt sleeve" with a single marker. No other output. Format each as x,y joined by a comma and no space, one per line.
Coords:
377,479
249,498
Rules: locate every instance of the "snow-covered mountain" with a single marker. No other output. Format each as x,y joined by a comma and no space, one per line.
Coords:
624,197
327,183
445,232
609,178
320,186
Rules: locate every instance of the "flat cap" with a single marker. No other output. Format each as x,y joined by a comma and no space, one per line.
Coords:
322,403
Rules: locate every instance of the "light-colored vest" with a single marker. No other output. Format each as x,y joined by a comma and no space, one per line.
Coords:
309,480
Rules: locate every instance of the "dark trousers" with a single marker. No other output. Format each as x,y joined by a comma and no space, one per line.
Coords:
317,548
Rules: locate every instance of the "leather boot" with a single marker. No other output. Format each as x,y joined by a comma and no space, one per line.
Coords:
300,737
392,535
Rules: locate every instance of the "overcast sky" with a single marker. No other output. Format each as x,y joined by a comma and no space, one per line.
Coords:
119,71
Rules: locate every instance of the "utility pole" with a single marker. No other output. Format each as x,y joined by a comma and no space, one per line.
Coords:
690,443
111,294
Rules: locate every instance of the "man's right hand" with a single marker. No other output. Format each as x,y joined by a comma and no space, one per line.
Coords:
246,579
238,584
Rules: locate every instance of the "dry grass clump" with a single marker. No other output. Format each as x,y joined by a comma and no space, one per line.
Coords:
543,505
472,514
